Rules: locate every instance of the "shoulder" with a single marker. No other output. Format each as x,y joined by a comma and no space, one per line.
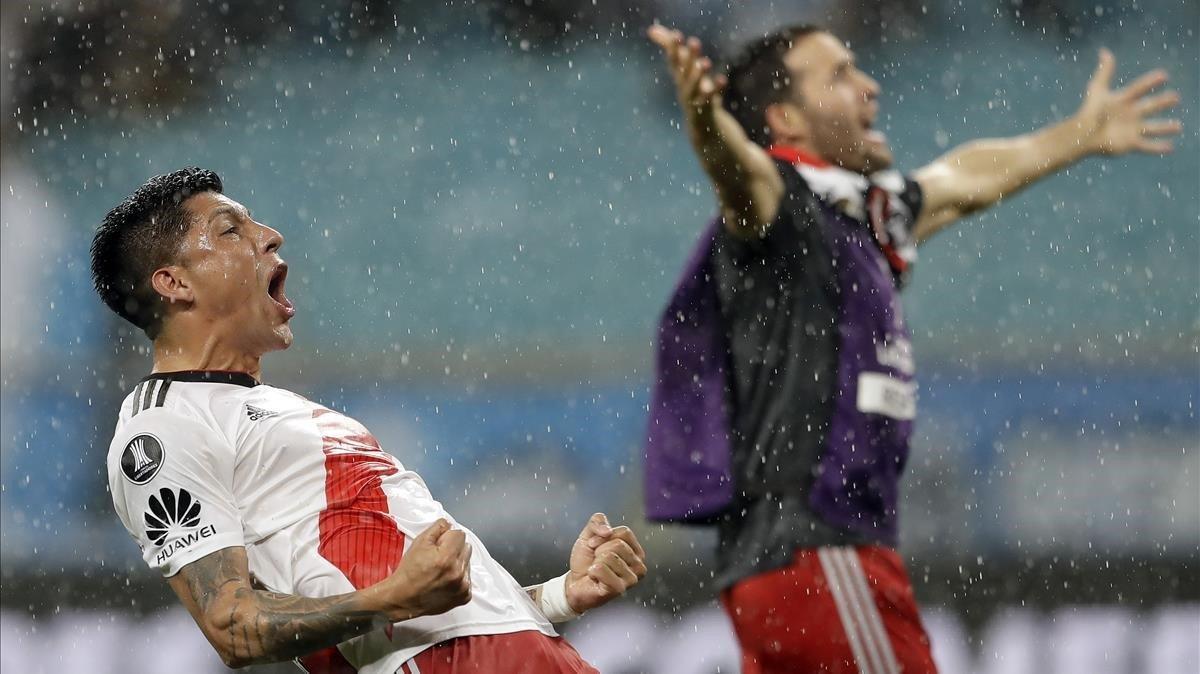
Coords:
164,413
166,421
142,443
794,222
794,179
179,401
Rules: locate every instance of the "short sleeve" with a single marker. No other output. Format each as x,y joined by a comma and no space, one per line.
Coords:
794,223
171,479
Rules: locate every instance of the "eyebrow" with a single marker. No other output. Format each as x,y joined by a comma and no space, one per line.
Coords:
243,213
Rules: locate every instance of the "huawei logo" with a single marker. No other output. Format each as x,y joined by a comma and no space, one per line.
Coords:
170,511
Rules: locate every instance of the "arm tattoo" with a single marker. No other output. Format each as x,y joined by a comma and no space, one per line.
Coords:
248,625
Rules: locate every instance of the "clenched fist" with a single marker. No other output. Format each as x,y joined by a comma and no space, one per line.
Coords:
434,575
605,562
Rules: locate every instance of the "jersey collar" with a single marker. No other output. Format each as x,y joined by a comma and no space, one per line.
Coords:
794,155
207,377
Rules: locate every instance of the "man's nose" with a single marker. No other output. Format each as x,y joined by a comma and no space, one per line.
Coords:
870,87
271,239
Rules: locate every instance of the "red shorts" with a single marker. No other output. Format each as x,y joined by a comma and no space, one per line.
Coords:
528,652
517,653
836,610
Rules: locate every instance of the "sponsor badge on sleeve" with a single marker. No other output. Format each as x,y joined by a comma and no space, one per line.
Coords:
142,458
879,393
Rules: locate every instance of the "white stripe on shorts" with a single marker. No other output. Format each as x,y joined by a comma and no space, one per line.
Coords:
858,579
859,608
849,625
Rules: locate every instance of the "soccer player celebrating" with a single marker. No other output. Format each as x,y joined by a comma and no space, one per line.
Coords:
283,526
785,392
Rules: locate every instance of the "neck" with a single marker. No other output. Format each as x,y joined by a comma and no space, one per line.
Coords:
177,348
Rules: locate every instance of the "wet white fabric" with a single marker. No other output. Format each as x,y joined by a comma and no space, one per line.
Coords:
247,466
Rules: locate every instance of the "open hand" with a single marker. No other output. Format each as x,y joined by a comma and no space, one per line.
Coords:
1123,120
699,91
605,562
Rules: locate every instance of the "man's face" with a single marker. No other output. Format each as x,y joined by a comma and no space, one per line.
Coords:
233,266
839,102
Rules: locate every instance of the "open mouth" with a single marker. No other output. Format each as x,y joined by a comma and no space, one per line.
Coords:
872,134
276,291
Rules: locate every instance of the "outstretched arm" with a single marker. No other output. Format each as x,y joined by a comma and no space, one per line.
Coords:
747,183
248,626
976,175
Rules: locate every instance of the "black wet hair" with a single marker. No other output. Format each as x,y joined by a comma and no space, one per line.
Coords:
758,78
142,234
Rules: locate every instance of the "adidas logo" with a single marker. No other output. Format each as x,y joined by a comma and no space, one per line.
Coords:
256,413
170,510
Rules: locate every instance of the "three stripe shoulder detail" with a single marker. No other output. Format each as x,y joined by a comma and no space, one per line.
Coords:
149,393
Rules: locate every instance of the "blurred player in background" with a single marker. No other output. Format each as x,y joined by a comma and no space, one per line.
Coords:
785,395
283,526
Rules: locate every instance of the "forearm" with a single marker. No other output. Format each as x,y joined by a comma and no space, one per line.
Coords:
1000,167
247,625
1108,121
261,627
747,184
719,143
978,174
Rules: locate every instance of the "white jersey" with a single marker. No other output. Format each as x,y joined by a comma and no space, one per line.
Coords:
202,461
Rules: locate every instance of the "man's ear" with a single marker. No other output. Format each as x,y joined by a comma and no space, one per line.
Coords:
786,123
172,285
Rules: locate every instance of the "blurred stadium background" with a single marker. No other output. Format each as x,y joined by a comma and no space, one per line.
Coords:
486,204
